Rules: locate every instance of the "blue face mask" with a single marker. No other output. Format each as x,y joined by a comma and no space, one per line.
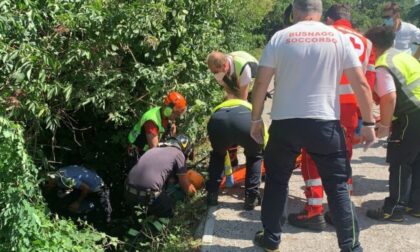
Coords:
389,21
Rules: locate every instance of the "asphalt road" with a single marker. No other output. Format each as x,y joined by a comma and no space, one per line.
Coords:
229,228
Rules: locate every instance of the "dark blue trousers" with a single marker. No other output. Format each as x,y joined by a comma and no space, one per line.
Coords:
324,141
228,127
403,155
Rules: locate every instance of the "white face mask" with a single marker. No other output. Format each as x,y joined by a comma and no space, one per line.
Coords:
219,76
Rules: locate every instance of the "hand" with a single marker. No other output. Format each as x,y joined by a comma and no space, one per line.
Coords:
382,131
192,190
257,131
367,135
74,207
172,131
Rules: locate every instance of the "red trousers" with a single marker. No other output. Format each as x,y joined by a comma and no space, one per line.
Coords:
314,191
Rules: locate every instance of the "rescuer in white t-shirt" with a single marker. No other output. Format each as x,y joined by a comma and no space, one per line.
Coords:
307,60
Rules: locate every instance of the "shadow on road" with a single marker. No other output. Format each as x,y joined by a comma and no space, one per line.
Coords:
369,159
364,185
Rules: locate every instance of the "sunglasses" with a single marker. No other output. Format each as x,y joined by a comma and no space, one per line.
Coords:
386,17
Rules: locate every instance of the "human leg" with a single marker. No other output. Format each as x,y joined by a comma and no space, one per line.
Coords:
312,216
279,158
328,150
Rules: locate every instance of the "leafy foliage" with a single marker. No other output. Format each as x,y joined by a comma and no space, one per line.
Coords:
414,14
162,234
24,221
78,74
365,14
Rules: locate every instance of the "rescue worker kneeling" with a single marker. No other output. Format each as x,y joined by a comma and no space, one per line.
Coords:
230,125
153,181
78,192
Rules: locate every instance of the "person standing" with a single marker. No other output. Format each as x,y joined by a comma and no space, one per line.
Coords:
317,54
312,216
406,35
398,86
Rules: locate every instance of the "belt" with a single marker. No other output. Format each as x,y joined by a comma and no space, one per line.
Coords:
142,193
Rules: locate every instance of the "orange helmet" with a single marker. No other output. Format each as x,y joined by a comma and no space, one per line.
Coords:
195,178
176,101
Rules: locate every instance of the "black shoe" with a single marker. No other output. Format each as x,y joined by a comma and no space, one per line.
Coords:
413,212
328,218
212,199
380,214
302,220
251,202
260,242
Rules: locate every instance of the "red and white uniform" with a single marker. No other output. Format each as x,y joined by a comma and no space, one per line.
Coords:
314,191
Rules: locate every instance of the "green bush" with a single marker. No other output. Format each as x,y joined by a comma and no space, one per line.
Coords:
24,220
77,74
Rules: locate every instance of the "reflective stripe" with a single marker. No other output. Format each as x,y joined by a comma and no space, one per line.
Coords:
233,103
409,91
314,202
353,221
313,182
345,89
406,88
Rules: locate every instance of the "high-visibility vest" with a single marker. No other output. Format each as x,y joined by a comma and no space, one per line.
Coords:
151,115
405,71
235,103
363,49
242,59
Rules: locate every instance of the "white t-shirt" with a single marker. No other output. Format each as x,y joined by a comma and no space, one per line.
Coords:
246,75
384,82
406,36
309,58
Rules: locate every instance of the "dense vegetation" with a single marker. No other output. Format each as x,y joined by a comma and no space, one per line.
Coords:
76,75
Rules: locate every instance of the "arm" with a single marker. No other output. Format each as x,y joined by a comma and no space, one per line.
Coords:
152,134
85,190
387,107
152,140
173,129
362,91
364,99
417,53
186,185
264,76
244,92
385,88
244,81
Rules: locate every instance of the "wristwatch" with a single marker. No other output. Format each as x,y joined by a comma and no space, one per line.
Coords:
368,124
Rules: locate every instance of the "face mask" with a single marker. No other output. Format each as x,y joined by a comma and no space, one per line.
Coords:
219,77
389,21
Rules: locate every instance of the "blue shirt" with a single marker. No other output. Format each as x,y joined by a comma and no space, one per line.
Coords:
80,174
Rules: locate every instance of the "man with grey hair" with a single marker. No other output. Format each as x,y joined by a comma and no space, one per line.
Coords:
317,55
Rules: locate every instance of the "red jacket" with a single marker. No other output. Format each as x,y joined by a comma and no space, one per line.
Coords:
364,50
